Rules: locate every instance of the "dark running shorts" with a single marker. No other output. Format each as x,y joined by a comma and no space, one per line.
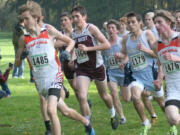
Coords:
94,74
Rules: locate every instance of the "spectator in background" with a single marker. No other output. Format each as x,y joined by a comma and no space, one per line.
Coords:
5,92
19,29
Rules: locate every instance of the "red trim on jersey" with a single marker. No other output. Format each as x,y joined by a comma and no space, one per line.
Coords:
59,64
57,59
173,43
28,38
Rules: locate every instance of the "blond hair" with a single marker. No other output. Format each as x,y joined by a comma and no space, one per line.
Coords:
151,14
33,7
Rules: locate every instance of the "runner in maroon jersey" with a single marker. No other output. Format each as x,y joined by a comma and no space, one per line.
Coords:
89,63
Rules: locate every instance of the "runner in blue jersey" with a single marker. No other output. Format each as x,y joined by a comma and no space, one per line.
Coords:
137,46
116,76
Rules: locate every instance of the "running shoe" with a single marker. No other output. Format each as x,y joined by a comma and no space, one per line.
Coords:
173,130
145,129
115,122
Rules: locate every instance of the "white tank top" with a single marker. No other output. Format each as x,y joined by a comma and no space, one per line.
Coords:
42,56
171,69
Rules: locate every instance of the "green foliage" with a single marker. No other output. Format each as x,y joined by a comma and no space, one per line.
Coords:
98,10
20,114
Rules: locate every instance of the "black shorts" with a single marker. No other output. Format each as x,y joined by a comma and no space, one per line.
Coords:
54,92
128,75
55,89
173,102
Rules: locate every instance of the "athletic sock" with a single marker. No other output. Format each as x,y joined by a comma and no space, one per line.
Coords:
88,117
154,116
146,122
112,112
47,125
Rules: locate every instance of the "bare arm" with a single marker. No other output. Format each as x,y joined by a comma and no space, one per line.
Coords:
123,53
55,34
151,40
73,54
160,72
60,43
19,51
158,81
171,57
103,43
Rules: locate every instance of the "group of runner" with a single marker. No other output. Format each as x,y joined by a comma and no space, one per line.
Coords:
137,60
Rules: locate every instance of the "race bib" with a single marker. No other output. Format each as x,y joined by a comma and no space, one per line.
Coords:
113,63
39,60
171,67
138,61
81,56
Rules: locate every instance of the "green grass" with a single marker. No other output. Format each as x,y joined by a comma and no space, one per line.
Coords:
22,110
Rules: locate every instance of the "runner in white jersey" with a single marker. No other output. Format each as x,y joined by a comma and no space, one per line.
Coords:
168,50
136,46
43,102
43,60
89,64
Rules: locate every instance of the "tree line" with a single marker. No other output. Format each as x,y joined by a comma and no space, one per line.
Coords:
98,10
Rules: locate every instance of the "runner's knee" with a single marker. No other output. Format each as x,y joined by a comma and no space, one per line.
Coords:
51,110
65,111
173,120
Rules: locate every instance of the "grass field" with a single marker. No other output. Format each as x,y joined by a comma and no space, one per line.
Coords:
20,114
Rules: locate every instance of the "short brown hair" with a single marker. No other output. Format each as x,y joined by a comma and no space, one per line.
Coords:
166,15
80,9
133,14
112,21
33,7
138,17
67,14
177,11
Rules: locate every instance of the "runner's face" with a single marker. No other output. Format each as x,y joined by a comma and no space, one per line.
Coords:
178,18
122,26
133,24
111,28
161,24
148,21
78,19
65,22
29,21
